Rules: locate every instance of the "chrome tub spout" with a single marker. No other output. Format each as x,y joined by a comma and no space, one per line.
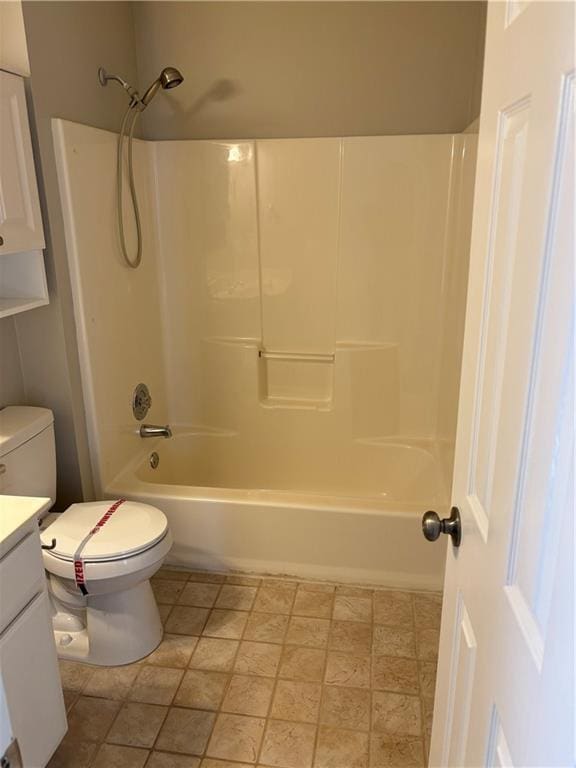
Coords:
152,430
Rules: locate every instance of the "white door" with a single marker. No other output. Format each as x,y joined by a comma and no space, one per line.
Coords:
506,671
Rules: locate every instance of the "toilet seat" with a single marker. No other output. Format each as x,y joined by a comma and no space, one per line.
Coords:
132,530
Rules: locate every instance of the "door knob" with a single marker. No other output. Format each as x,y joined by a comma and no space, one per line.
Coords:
432,526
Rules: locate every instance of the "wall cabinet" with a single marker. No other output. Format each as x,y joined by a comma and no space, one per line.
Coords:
22,274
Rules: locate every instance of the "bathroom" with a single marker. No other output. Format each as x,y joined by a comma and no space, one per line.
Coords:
242,370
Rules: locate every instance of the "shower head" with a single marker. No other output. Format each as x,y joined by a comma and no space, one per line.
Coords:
170,77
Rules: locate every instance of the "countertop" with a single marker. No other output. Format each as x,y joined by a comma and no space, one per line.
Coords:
16,513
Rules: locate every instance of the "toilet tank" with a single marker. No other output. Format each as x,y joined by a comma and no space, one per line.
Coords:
27,452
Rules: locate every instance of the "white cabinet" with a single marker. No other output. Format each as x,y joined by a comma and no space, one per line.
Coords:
28,662
22,274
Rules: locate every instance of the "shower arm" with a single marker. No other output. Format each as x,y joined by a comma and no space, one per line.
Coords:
104,77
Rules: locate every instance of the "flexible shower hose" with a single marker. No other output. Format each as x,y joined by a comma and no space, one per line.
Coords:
119,183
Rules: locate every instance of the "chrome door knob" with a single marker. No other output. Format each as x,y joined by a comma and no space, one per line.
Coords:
432,526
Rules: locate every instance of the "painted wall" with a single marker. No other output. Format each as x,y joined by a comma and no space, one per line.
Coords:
285,69
12,390
67,42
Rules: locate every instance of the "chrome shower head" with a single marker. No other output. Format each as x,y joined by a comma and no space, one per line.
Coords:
170,77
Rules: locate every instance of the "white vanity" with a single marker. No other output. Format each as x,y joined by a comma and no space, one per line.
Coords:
29,679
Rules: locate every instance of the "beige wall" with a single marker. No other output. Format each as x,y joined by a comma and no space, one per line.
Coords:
67,42
311,68
11,380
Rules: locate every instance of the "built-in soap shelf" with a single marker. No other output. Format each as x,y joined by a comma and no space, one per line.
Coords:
302,380
22,282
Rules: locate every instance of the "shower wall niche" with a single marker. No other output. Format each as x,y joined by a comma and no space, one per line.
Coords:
299,306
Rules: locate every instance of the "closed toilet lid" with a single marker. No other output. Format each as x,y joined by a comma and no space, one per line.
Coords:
133,528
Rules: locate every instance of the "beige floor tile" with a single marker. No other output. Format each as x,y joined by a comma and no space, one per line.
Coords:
70,698
393,673
288,745
168,760
348,669
274,600
427,678
266,627
202,689
164,611
427,642
393,609
317,586
302,664
248,696
209,762
199,594
309,632
186,730
258,659
349,608
346,708
184,620
296,700
352,591
236,597
173,651
111,682
394,641
73,753
279,583
243,581
137,725
90,719
396,714
166,590
168,572
236,737
427,713
350,637
214,653
427,611
338,748
227,624
112,756
313,604
74,676
396,752
207,576
155,685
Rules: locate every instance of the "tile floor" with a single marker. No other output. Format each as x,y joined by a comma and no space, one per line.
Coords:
263,672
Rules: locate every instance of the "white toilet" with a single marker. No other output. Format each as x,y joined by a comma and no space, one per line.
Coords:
99,556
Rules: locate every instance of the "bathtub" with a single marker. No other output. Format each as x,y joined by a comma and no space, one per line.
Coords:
358,521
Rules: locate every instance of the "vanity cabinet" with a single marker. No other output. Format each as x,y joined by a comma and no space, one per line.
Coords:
29,674
22,273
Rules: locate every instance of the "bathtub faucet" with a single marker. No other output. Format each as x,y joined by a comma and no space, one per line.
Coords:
151,430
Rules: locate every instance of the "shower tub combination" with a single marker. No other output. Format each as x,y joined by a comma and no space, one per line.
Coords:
364,526
309,373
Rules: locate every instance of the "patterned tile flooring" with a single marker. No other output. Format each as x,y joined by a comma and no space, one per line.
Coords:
263,672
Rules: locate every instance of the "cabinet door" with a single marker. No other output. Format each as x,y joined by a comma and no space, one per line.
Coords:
29,671
20,220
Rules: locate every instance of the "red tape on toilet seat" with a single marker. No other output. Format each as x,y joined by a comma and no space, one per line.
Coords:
79,572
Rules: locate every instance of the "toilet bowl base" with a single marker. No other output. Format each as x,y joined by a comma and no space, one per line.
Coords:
120,627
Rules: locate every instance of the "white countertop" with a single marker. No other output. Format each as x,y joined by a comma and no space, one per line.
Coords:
16,513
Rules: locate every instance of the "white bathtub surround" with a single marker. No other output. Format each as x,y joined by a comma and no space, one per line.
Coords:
291,320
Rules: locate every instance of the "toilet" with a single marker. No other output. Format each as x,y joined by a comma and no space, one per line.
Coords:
99,556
